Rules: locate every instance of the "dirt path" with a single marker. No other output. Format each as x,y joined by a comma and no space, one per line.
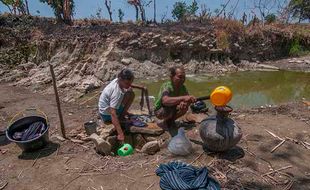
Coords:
68,165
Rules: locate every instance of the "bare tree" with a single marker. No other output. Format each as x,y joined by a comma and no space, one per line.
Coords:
154,11
109,6
232,11
205,12
140,6
265,7
223,9
135,4
164,16
283,10
27,7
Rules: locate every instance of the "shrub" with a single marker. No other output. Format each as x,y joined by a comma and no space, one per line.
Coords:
295,48
270,18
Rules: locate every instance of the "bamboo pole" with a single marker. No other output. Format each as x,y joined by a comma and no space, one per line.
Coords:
62,126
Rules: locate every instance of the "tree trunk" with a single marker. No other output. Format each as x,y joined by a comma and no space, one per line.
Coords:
67,12
154,11
301,14
142,11
27,7
108,6
137,12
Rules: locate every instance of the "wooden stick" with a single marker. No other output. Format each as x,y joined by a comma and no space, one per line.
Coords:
307,143
197,158
148,175
20,173
4,185
98,169
62,126
281,143
272,134
150,186
89,99
34,162
128,177
64,187
277,170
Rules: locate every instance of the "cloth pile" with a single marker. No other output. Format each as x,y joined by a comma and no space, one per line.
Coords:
139,120
33,131
182,176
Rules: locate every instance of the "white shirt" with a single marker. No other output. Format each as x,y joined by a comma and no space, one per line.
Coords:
111,96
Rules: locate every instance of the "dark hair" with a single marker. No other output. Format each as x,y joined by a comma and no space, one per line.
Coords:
126,74
172,70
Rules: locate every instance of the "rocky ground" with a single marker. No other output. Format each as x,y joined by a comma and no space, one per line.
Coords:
88,54
72,164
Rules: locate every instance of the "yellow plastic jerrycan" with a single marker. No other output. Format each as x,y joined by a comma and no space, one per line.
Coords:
220,96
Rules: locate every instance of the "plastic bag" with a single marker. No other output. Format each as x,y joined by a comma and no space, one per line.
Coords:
179,144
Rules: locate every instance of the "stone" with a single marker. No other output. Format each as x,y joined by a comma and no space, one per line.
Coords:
151,129
77,141
139,141
26,66
151,148
307,61
149,138
237,45
242,116
126,61
157,36
102,147
195,118
263,66
60,138
106,130
133,42
177,60
224,70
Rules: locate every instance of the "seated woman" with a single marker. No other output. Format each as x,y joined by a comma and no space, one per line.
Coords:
173,100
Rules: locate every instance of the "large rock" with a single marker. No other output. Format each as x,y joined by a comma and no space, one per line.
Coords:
151,148
102,147
126,61
269,67
139,141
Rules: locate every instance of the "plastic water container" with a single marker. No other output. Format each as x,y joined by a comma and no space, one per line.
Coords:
220,96
125,150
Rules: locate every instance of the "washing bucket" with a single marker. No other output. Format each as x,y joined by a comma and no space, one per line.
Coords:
18,125
220,96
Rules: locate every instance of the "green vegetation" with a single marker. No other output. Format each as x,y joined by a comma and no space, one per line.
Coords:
296,48
16,6
270,18
300,9
271,11
180,10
